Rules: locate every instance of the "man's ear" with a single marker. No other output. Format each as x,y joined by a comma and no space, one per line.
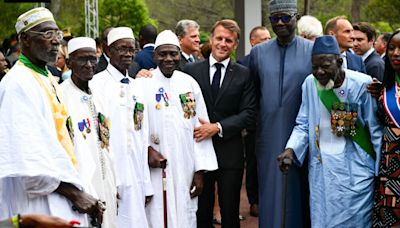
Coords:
24,39
331,33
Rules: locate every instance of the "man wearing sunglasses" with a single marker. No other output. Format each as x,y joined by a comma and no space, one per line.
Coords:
38,166
280,67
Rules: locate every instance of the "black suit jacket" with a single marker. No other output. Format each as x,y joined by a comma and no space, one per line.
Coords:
234,108
183,61
375,66
134,68
355,62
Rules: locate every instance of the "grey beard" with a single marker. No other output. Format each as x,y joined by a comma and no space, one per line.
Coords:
328,85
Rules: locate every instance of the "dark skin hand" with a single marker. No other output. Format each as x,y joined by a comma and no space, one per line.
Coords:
285,160
375,88
82,202
43,221
197,184
154,158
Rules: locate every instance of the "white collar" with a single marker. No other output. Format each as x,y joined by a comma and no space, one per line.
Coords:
116,75
187,56
225,62
366,54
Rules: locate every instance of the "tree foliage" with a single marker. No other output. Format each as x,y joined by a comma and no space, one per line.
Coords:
130,13
384,12
9,13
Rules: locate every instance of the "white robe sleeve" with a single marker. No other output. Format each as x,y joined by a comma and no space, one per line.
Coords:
298,140
148,187
204,153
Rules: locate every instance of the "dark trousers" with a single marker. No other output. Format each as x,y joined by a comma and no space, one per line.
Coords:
229,182
251,167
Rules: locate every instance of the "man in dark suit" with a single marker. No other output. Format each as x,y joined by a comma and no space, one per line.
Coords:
189,39
380,44
229,94
257,35
104,60
364,39
147,37
343,31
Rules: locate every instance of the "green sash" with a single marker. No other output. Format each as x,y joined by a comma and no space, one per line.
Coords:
362,137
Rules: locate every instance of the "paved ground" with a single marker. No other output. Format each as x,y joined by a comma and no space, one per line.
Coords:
250,221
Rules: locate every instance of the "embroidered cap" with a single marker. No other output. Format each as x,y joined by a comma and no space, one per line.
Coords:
81,42
119,33
32,18
282,6
167,37
325,45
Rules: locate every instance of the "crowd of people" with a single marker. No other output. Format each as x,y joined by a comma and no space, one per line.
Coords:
153,131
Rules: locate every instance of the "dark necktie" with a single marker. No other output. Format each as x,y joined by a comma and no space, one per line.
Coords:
125,80
216,80
190,60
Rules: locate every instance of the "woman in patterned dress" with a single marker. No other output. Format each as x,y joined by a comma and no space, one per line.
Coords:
387,192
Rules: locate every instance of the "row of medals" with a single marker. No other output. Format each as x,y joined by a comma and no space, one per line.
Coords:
343,123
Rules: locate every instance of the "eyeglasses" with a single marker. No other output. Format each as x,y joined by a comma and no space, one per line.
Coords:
284,18
83,60
50,34
125,50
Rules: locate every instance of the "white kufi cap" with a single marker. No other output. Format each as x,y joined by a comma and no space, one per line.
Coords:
81,42
32,18
119,33
167,37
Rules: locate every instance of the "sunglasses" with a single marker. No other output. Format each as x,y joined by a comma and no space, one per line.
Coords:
284,18
50,34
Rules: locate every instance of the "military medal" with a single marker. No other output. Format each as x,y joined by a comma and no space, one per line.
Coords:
158,99
188,105
155,139
138,116
87,125
70,127
104,133
344,119
81,127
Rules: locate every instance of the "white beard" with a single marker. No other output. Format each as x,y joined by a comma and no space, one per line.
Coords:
328,85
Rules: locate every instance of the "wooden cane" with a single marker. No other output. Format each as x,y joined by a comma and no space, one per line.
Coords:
286,161
164,182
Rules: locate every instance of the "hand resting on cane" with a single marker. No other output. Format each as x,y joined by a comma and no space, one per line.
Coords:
285,160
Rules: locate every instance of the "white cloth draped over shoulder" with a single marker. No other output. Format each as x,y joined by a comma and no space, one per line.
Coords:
176,143
32,160
128,145
95,164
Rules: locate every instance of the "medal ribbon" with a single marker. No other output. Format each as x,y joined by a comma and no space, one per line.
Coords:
391,103
362,137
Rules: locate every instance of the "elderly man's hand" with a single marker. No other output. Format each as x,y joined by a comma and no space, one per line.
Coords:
206,130
143,73
285,160
82,202
155,158
375,88
43,221
197,184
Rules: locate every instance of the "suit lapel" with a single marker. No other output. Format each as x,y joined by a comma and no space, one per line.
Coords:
349,60
225,83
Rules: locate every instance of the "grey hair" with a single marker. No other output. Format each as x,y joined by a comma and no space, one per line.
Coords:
309,26
183,25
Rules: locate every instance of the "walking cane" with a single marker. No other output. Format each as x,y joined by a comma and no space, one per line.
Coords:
164,182
286,161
